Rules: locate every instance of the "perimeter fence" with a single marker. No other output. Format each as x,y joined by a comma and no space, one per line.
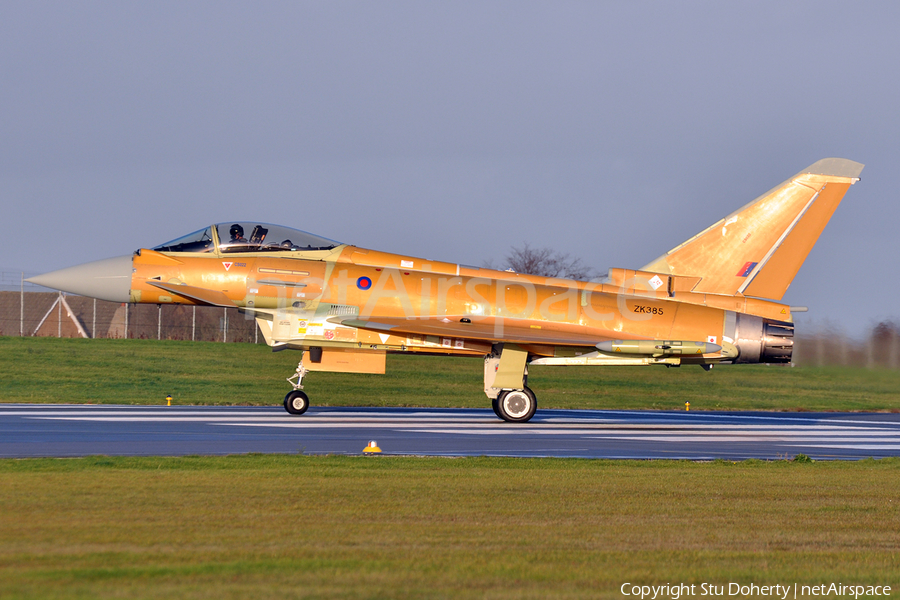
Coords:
30,310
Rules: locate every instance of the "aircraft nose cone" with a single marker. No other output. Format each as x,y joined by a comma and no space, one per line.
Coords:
108,279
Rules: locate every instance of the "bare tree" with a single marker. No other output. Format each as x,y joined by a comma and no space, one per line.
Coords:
546,263
885,343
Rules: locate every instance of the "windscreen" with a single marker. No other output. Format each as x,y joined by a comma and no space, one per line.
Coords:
199,241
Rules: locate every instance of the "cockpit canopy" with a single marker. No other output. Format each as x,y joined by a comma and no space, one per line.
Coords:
247,237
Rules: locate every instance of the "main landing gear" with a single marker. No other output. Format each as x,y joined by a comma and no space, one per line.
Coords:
296,402
505,376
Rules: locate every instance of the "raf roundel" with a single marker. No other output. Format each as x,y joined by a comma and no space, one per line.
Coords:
363,283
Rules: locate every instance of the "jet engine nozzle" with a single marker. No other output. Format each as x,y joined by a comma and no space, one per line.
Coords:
762,340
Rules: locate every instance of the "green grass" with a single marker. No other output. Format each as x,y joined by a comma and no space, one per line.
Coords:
384,527
145,371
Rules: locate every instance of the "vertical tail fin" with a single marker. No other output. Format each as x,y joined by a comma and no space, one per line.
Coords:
757,250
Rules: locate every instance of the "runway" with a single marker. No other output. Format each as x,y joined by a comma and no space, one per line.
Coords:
30,430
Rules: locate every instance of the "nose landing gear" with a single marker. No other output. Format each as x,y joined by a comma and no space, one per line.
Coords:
296,402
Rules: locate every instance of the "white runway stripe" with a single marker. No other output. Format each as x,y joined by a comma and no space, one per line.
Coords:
736,436
279,421
784,437
743,417
851,446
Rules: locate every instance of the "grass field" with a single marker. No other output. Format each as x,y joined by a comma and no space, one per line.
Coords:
382,527
145,371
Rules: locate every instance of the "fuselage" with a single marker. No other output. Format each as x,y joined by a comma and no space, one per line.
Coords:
333,295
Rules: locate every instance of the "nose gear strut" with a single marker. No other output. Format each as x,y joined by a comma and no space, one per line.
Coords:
296,402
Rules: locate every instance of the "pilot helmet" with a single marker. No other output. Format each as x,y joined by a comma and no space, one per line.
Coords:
236,231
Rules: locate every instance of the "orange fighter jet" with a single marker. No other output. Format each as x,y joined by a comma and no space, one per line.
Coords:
713,299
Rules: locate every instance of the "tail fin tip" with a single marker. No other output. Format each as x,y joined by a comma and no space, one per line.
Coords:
836,167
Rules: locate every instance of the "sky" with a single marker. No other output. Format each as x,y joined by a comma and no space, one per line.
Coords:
611,131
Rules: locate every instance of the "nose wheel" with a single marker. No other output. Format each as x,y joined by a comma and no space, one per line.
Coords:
296,402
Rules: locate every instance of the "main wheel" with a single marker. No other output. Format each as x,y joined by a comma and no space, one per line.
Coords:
296,402
516,406
495,404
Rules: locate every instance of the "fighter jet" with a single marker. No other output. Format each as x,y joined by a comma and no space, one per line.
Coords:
715,299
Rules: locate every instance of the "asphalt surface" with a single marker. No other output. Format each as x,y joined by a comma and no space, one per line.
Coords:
29,430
